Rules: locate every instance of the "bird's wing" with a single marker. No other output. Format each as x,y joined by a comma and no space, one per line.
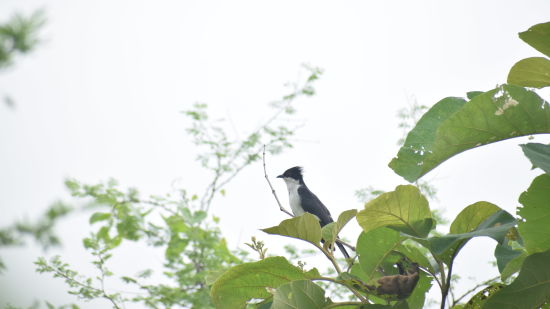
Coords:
314,206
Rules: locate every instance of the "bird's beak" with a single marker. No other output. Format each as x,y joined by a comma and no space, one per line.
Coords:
280,176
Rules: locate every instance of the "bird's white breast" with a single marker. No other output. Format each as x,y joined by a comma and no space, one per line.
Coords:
293,196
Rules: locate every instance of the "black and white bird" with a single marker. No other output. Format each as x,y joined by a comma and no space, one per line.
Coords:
303,200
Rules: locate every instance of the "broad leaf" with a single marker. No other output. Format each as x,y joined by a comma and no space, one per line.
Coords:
530,289
535,226
481,297
538,36
414,254
418,297
405,210
479,219
251,280
299,294
505,254
453,126
531,72
305,227
331,230
374,248
538,154
513,266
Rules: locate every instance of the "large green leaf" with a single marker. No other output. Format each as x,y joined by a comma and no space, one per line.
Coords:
405,210
538,36
305,227
299,294
530,289
535,226
418,296
538,154
530,72
505,254
251,280
479,219
453,126
374,247
331,230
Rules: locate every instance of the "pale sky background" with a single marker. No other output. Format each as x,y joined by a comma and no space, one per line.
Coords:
101,97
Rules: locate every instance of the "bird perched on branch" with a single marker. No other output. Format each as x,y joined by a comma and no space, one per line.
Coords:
303,200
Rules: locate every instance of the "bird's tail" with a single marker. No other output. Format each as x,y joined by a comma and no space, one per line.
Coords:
344,252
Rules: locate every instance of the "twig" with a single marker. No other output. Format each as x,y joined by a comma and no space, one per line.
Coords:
273,190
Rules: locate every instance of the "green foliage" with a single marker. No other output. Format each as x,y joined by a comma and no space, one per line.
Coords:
299,294
454,125
250,280
535,214
530,72
41,231
538,154
19,35
195,252
479,219
305,227
404,209
531,289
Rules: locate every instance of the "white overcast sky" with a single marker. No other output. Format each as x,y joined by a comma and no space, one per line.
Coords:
101,97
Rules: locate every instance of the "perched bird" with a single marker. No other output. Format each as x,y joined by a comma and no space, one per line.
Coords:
303,200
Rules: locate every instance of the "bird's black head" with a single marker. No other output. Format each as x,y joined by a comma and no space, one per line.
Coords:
294,173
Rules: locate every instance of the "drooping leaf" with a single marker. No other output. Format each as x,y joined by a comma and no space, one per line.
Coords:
513,266
452,126
251,280
535,226
305,227
538,36
504,255
405,210
331,230
478,219
531,288
299,294
374,247
530,72
538,154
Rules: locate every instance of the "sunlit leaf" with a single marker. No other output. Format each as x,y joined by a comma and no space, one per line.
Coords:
531,72
250,280
535,226
100,216
299,294
453,125
530,289
374,247
305,227
405,210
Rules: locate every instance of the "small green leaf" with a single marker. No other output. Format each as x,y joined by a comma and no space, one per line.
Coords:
452,126
374,248
305,227
538,36
535,226
531,72
250,280
538,154
100,216
531,288
481,297
299,294
405,210
478,219
330,231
